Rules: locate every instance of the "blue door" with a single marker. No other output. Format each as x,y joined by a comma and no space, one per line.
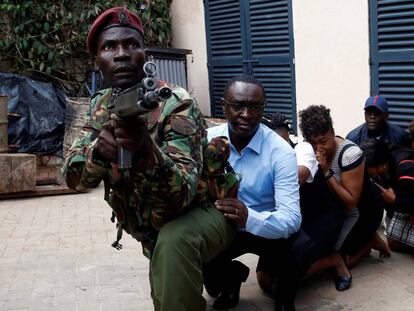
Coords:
392,56
254,37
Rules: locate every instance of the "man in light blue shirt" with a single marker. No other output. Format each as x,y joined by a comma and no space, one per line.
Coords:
267,208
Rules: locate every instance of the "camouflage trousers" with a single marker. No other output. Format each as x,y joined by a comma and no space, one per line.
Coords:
183,245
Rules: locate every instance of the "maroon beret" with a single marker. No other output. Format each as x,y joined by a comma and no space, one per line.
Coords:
114,17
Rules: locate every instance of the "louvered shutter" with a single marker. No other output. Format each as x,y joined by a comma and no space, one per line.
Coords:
253,37
224,33
392,55
272,54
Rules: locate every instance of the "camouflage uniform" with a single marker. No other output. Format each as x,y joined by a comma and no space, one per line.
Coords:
160,187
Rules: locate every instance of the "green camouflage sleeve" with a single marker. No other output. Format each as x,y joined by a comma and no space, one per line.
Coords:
165,180
80,169
169,175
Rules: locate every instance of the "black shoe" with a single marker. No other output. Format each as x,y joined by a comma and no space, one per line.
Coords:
228,299
213,292
230,295
284,307
343,282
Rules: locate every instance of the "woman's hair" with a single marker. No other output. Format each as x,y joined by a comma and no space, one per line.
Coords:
275,121
376,152
315,120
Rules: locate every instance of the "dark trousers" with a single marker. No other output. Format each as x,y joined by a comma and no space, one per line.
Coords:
287,259
315,239
371,210
220,271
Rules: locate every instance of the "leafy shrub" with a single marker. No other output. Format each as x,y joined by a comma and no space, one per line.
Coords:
42,38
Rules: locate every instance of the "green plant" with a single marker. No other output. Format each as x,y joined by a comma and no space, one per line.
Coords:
42,38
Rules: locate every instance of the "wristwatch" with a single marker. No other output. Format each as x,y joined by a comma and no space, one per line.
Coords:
328,174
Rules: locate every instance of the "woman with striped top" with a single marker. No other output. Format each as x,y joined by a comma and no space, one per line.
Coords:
342,164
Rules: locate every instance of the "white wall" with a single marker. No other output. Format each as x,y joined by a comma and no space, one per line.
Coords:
189,33
331,55
332,58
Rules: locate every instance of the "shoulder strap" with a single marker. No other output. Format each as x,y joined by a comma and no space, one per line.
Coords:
341,154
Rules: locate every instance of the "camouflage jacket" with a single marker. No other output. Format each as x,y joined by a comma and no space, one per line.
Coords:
159,187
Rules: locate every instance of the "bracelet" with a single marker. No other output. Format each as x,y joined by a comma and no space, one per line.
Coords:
328,174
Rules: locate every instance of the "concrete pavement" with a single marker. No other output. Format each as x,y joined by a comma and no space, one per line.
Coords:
55,254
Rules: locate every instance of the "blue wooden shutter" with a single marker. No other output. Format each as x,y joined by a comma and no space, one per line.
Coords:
253,37
271,51
392,56
225,49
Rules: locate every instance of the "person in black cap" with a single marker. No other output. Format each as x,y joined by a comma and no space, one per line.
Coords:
377,126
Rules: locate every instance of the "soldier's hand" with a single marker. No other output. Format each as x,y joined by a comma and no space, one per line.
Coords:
131,133
106,145
233,209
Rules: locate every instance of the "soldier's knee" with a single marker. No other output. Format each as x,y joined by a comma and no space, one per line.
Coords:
174,239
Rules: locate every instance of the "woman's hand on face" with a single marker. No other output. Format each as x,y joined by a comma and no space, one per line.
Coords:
322,160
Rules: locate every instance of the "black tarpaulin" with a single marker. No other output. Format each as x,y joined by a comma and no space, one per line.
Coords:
40,127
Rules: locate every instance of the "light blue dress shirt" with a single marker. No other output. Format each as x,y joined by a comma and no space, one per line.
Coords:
269,187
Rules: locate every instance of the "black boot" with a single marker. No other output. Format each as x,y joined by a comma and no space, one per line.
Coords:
284,306
212,291
284,298
231,292
212,280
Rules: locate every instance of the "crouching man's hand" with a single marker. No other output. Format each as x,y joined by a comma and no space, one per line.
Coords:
234,210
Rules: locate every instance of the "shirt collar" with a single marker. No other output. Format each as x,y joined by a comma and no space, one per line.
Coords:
255,143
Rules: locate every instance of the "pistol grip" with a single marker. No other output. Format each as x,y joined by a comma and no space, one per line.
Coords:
124,158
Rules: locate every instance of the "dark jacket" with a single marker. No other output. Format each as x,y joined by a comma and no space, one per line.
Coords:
392,134
402,178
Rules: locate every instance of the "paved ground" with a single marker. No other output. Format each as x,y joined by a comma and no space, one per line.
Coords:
55,254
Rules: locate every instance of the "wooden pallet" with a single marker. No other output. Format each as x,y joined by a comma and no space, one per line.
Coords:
40,190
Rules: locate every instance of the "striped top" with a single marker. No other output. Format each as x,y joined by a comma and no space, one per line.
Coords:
350,158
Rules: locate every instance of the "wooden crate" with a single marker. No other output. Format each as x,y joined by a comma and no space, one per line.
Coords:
17,172
48,170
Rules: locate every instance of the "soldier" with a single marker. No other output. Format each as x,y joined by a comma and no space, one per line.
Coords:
155,201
